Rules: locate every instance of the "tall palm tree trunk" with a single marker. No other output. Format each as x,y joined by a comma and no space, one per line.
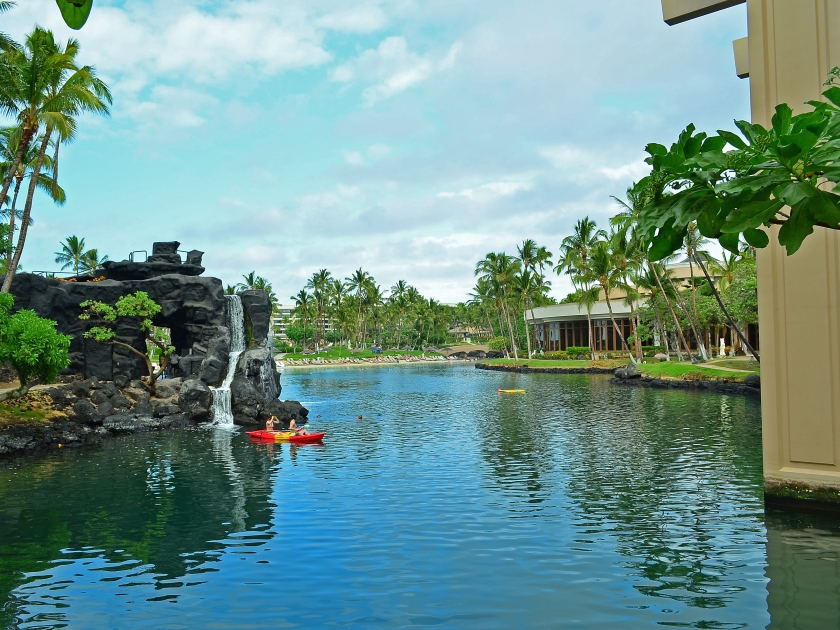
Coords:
743,339
617,330
690,319
670,308
23,146
27,211
589,332
510,329
11,249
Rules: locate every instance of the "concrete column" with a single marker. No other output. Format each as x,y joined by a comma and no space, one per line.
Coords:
792,46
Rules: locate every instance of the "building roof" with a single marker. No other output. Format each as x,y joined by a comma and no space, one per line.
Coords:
572,312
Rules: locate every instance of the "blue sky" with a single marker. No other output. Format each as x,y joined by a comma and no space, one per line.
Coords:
407,137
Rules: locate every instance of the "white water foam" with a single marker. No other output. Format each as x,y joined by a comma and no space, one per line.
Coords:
221,409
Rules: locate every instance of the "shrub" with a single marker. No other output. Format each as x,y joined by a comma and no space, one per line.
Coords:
31,346
497,343
575,351
559,355
652,350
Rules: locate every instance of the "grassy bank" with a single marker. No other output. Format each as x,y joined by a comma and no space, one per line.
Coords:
735,370
34,408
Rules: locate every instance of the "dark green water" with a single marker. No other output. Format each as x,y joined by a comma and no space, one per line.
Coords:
577,504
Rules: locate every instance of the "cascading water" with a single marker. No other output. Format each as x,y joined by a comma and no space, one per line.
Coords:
235,320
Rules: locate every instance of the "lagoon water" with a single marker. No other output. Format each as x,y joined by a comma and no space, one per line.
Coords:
574,505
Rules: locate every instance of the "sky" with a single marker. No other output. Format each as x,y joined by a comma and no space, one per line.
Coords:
408,138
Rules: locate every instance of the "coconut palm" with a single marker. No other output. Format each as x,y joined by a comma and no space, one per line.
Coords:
9,140
399,299
303,309
72,253
6,42
602,268
91,262
318,284
42,86
499,270
358,282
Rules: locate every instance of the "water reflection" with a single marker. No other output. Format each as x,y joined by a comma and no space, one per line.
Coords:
451,506
803,569
161,504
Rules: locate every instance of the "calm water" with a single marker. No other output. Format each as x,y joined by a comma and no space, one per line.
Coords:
577,504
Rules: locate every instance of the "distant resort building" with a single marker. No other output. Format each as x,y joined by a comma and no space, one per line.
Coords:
467,333
563,325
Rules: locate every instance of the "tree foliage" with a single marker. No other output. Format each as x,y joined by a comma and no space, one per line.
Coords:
31,346
784,175
143,309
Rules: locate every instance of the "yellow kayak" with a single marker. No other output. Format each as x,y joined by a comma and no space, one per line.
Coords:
511,391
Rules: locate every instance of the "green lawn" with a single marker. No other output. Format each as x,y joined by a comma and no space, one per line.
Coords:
688,371
666,369
560,364
364,354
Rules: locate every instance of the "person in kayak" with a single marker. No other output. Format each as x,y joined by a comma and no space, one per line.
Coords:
269,424
294,429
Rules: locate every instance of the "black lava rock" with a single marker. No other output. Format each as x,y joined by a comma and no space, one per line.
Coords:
106,409
753,380
86,412
80,389
195,400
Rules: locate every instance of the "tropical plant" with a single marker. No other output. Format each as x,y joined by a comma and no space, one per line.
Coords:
137,307
9,140
303,309
31,346
91,261
604,270
72,253
42,86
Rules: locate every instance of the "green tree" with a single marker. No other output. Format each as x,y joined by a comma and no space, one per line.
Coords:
91,261
137,306
574,260
42,86
31,346
72,253
10,138
302,310
604,270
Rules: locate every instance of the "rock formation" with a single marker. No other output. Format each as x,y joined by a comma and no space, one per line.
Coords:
193,308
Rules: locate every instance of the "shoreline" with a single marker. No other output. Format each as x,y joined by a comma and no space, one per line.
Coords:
362,364
709,385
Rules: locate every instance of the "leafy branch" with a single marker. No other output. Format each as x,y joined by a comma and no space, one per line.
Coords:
785,175
139,305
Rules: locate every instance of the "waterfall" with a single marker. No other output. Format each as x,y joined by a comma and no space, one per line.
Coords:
235,320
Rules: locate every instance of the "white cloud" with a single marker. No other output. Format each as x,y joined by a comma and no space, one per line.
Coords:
581,165
353,157
392,68
488,192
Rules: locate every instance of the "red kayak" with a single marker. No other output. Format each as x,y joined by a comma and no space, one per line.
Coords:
285,436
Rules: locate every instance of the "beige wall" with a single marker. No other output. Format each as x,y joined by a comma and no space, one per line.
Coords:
792,46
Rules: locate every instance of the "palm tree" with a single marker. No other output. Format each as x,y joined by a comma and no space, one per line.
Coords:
91,261
358,282
318,284
693,242
72,253
499,270
604,270
303,308
9,140
625,223
230,290
531,256
575,254
42,86
6,42
400,301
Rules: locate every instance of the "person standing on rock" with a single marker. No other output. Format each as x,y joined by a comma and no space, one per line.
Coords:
173,364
